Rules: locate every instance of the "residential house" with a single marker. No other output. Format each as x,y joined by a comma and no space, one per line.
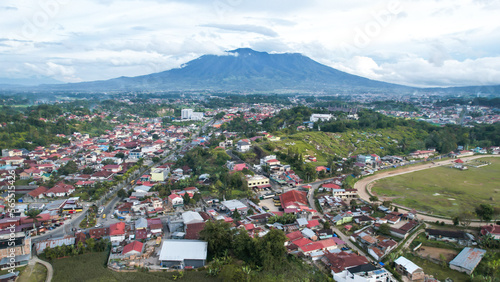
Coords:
60,190
493,230
243,145
409,269
362,273
133,249
38,193
117,232
338,262
175,200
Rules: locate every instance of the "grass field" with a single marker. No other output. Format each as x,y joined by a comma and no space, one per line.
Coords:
439,272
324,144
443,190
35,274
91,267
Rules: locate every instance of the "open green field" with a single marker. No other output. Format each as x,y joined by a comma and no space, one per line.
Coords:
437,270
324,144
91,267
443,190
33,274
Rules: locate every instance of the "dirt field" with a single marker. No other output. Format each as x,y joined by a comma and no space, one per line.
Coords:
435,253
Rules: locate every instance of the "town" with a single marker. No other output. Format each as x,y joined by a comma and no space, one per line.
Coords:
202,183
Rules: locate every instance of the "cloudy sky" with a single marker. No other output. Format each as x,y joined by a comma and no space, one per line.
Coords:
412,42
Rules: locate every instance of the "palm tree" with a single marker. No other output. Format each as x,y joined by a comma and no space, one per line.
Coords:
34,214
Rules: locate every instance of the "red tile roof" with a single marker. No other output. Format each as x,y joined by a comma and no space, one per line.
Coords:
302,242
117,228
340,261
312,223
40,190
193,230
294,235
294,198
134,246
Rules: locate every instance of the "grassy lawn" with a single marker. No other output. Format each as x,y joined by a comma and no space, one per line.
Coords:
38,273
443,190
92,267
439,272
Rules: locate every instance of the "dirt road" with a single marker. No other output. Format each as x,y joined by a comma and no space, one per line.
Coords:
364,185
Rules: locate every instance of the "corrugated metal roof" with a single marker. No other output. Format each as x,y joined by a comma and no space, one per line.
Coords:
179,250
468,258
407,264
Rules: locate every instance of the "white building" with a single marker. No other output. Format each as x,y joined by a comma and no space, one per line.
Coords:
322,117
363,273
197,116
186,113
183,253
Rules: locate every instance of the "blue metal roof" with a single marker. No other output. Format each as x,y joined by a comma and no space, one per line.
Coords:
468,258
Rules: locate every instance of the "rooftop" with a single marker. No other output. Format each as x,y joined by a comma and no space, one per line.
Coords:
179,250
468,258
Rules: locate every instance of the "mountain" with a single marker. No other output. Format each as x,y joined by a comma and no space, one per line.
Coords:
246,70
29,81
242,70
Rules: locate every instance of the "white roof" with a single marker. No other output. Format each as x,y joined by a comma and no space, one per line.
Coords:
179,250
409,265
234,204
141,223
142,188
302,221
191,217
308,232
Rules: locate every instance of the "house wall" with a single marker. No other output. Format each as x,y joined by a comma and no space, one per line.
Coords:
194,263
458,268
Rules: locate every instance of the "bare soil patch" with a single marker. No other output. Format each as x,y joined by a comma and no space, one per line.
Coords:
435,253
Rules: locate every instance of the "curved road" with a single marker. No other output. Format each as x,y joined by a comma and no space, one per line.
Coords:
366,184
50,270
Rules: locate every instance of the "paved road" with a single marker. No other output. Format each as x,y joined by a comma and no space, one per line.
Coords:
364,185
343,237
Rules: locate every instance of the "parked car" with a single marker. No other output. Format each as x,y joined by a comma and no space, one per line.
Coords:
265,208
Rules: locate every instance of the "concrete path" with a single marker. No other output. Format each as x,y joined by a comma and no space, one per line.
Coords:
50,270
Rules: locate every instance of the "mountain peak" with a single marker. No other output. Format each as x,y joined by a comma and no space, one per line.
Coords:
245,52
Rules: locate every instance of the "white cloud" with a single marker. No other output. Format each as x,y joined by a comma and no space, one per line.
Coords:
424,42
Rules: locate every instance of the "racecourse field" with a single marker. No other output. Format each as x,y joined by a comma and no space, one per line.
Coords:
444,190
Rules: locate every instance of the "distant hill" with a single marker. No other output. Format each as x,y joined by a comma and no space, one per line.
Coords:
246,70
30,81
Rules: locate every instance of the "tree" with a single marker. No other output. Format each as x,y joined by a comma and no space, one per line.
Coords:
186,198
373,198
384,229
465,218
456,220
272,250
244,246
485,212
70,168
88,170
387,204
219,236
34,214
354,204
236,215
326,224
121,193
